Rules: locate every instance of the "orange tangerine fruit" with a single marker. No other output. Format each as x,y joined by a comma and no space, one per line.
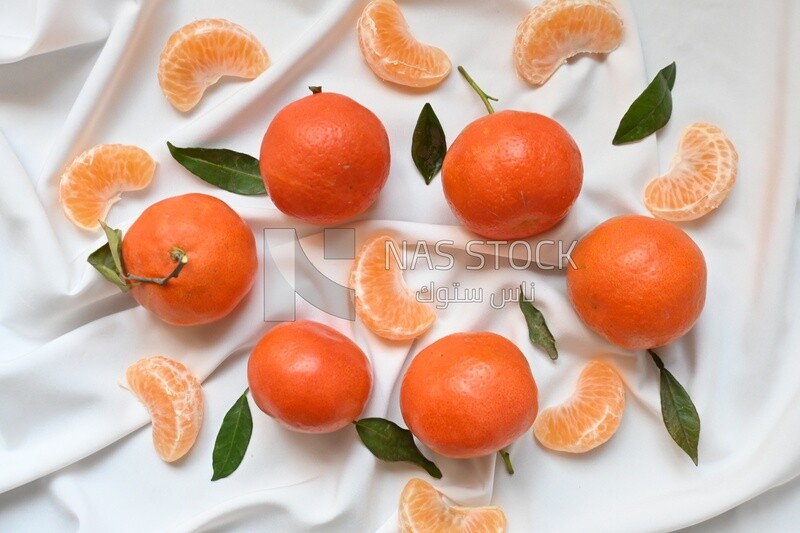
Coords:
702,174
637,281
469,395
324,158
174,398
423,509
556,30
208,247
309,377
94,181
512,175
383,301
393,53
589,417
200,53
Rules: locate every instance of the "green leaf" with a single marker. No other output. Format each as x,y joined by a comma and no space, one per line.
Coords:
108,258
538,331
678,411
650,111
233,171
428,145
389,442
232,439
114,237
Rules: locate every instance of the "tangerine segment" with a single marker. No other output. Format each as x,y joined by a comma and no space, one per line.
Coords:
200,53
95,179
425,509
556,30
589,417
702,174
393,53
383,301
174,398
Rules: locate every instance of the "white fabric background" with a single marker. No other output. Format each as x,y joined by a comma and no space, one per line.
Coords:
75,451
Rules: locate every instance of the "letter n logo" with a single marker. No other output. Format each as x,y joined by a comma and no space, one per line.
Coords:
288,271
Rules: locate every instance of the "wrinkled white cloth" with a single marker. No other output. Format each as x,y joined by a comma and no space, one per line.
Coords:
75,448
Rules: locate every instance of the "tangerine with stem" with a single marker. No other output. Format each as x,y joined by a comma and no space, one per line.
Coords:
511,174
189,259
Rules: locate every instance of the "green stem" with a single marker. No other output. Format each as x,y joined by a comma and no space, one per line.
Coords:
177,255
507,460
485,97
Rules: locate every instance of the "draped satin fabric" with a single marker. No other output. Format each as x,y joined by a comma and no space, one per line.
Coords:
75,448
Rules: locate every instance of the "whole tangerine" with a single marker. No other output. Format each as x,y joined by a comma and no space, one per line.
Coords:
324,158
309,377
469,395
189,259
512,174
637,281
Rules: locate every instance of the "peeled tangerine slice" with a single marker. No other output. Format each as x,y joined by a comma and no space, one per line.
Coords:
703,172
392,52
174,398
589,417
95,179
559,29
423,509
200,53
383,301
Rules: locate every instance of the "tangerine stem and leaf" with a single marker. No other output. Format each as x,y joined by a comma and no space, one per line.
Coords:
233,438
108,259
507,460
485,97
315,89
229,170
389,442
678,411
650,111
176,254
538,332
428,144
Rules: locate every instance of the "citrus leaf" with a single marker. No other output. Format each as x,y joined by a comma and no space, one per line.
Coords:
538,331
428,145
108,258
233,171
678,411
232,439
650,111
389,442
114,237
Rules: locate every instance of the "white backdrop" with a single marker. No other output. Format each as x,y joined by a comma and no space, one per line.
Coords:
75,449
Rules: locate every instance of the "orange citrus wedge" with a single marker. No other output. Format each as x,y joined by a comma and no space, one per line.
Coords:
703,172
383,301
556,30
589,417
200,53
174,399
392,52
425,509
94,181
